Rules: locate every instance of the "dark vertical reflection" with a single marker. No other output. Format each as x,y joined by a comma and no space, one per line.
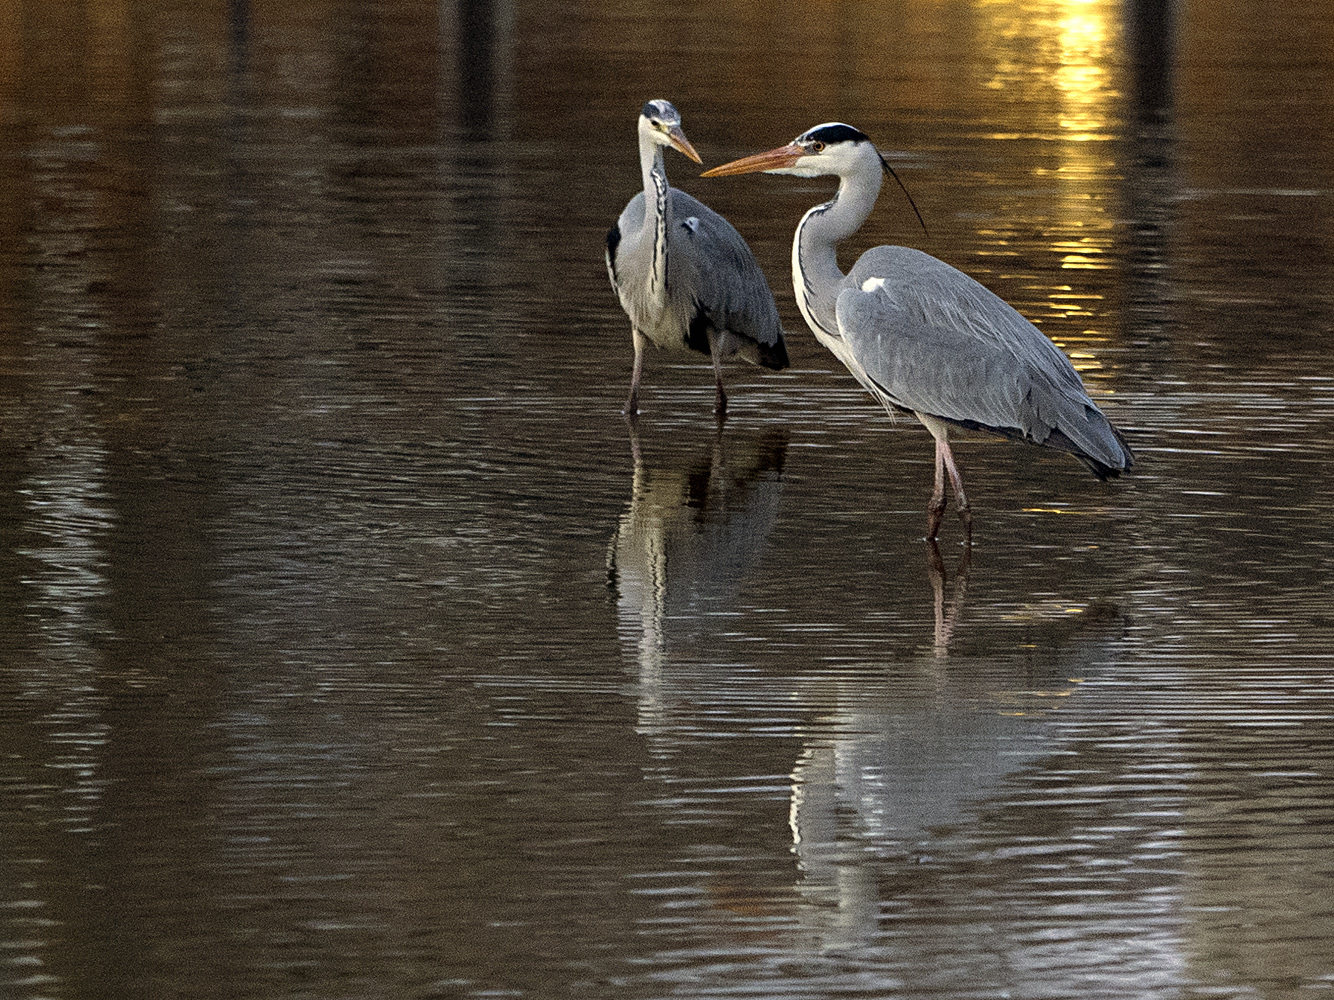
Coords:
238,23
1151,41
1150,184
476,67
479,214
484,38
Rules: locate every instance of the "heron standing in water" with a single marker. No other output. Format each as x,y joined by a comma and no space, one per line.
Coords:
922,337
684,276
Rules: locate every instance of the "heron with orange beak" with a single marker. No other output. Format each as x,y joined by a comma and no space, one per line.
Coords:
921,336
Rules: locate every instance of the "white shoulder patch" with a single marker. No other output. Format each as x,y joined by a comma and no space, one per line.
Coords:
873,284
691,223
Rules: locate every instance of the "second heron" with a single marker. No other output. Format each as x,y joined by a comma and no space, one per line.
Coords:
684,276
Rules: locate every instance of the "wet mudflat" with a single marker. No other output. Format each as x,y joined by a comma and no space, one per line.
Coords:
353,645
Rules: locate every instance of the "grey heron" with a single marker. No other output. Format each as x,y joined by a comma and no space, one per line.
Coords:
921,336
684,276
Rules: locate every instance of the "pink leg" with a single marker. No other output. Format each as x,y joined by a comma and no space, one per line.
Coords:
632,404
945,467
956,481
935,510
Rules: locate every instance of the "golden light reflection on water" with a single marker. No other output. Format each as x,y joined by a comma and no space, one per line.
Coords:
1082,78
1054,65
1085,96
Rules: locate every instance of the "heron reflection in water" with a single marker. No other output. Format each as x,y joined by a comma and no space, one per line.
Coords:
915,753
692,534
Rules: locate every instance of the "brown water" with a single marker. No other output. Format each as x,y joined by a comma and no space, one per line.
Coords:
353,645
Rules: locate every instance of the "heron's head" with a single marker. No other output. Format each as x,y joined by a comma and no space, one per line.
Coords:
661,123
831,148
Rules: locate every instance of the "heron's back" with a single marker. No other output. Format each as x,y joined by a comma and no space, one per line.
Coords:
935,341
714,284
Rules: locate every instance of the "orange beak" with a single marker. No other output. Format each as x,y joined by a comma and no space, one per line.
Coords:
775,159
680,142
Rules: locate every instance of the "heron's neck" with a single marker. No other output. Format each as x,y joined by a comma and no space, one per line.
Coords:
655,214
816,277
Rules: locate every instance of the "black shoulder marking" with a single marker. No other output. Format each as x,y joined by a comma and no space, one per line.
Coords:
613,241
697,337
838,132
774,356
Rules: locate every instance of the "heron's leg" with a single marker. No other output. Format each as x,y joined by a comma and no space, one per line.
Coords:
945,467
956,481
632,404
720,399
935,510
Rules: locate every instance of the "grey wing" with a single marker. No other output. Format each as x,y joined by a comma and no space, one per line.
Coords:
630,223
709,262
935,341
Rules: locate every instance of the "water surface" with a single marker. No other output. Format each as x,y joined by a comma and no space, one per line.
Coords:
353,645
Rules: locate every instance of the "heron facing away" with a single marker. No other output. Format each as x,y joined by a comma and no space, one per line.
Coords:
922,337
684,276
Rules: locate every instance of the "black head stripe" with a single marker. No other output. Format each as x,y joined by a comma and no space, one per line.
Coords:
660,109
835,132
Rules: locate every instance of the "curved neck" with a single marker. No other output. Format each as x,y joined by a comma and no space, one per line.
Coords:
816,278
655,212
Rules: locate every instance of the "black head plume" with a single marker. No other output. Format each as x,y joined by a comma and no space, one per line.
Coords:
890,170
661,109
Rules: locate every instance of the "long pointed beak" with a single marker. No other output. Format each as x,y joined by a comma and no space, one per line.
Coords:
680,142
775,159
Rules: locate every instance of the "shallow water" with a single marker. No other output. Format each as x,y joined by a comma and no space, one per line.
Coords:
353,645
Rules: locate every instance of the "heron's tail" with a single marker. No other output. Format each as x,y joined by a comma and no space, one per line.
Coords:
1114,455
748,348
773,356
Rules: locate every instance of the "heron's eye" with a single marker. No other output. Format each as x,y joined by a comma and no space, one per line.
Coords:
818,146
